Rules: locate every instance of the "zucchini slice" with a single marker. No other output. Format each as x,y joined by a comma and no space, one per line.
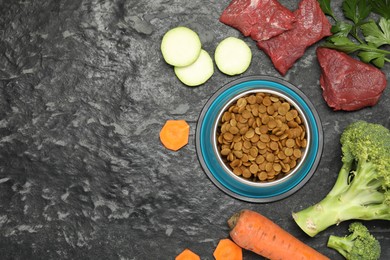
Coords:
180,46
233,56
198,72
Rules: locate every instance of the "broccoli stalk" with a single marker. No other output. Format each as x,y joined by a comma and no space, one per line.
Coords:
362,188
358,245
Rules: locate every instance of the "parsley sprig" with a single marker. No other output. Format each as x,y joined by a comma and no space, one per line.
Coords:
360,34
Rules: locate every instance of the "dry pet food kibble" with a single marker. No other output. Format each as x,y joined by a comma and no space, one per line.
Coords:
261,137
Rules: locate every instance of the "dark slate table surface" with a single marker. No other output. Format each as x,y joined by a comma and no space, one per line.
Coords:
83,94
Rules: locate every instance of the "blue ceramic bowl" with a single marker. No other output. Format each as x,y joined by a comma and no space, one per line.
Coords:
222,176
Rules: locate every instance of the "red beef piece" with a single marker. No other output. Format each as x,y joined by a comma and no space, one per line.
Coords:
310,27
349,84
259,19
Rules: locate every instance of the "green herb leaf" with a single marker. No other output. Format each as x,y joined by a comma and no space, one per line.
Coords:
381,7
377,35
347,36
376,58
356,10
341,43
341,29
379,62
325,6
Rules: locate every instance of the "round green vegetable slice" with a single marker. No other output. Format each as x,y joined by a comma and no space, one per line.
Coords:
233,56
180,46
198,72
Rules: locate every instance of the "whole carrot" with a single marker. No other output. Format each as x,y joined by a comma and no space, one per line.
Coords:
252,231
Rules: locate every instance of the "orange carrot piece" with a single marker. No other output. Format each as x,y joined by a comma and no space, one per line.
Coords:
227,250
174,134
187,254
253,231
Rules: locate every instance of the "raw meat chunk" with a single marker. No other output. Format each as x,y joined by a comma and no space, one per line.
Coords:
311,26
349,84
259,19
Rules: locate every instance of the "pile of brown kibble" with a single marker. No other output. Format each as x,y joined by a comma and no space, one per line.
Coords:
261,137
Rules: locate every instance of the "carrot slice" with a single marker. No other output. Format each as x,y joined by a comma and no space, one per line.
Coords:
227,250
187,254
174,134
253,231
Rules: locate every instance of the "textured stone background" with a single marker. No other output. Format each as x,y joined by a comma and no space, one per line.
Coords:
83,94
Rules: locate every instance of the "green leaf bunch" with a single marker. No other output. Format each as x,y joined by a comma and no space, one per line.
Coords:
358,32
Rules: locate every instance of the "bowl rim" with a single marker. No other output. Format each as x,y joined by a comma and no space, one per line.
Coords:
256,193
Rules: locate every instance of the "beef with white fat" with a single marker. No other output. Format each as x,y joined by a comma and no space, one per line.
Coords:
259,19
311,26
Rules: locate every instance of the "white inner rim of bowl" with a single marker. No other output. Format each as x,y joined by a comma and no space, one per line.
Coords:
242,179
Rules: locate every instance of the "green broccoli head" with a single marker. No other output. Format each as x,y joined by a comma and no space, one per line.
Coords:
358,245
367,142
366,160
362,188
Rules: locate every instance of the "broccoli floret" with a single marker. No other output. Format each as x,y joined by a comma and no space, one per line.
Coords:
358,245
362,188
